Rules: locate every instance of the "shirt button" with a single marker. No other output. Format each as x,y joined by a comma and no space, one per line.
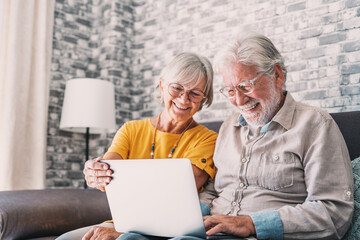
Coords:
348,193
242,184
244,160
276,157
233,203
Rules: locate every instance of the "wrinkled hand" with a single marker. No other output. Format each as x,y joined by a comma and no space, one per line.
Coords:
97,174
101,233
242,226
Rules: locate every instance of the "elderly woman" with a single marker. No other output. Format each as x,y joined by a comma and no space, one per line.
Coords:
186,84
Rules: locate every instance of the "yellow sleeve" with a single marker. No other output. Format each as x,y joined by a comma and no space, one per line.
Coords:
202,151
121,142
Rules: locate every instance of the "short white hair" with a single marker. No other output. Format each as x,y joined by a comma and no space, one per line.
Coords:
252,49
189,68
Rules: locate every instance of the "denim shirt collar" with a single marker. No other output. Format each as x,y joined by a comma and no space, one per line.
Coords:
242,122
283,116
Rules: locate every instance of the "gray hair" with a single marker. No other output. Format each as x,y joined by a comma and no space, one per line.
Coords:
251,49
189,68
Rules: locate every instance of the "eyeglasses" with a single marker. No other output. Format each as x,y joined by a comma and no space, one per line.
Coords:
177,90
246,87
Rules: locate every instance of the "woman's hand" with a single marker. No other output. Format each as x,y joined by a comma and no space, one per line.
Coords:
201,177
101,233
97,174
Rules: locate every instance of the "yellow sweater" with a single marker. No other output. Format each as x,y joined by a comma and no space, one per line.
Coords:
133,141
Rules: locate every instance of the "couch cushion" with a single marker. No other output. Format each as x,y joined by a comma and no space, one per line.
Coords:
348,123
40,213
354,230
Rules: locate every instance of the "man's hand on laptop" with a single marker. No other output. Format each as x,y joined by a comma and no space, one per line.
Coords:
97,174
242,226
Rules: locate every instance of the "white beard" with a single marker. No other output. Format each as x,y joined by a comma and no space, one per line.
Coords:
269,108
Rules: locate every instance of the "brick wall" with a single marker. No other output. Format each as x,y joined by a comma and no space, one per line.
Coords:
92,38
320,40
128,42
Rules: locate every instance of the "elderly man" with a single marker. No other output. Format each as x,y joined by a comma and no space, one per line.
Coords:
283,169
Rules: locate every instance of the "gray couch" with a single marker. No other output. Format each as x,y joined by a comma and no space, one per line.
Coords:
45,214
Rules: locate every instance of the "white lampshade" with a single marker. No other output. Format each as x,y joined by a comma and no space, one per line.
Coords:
88,103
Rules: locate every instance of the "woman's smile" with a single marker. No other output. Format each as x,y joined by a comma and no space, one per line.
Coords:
178,106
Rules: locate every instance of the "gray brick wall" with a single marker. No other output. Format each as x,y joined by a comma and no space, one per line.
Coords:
129,41
92,38
319,40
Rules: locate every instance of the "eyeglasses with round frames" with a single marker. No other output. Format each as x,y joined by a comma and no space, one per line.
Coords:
177,90
246,87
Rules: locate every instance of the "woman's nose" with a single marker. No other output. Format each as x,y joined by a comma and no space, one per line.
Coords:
184,96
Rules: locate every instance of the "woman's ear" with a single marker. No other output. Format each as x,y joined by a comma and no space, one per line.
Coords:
161,85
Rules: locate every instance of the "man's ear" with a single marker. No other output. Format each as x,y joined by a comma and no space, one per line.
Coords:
279,76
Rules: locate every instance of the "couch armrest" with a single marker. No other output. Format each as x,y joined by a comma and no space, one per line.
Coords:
38,213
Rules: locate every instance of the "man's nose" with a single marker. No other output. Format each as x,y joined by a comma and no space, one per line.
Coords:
241,98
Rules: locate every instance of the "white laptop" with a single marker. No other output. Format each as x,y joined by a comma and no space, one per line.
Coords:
155,197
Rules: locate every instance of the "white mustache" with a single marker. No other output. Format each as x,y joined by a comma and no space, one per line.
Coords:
249,105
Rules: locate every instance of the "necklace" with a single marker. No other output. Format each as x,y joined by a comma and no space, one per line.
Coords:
173,149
